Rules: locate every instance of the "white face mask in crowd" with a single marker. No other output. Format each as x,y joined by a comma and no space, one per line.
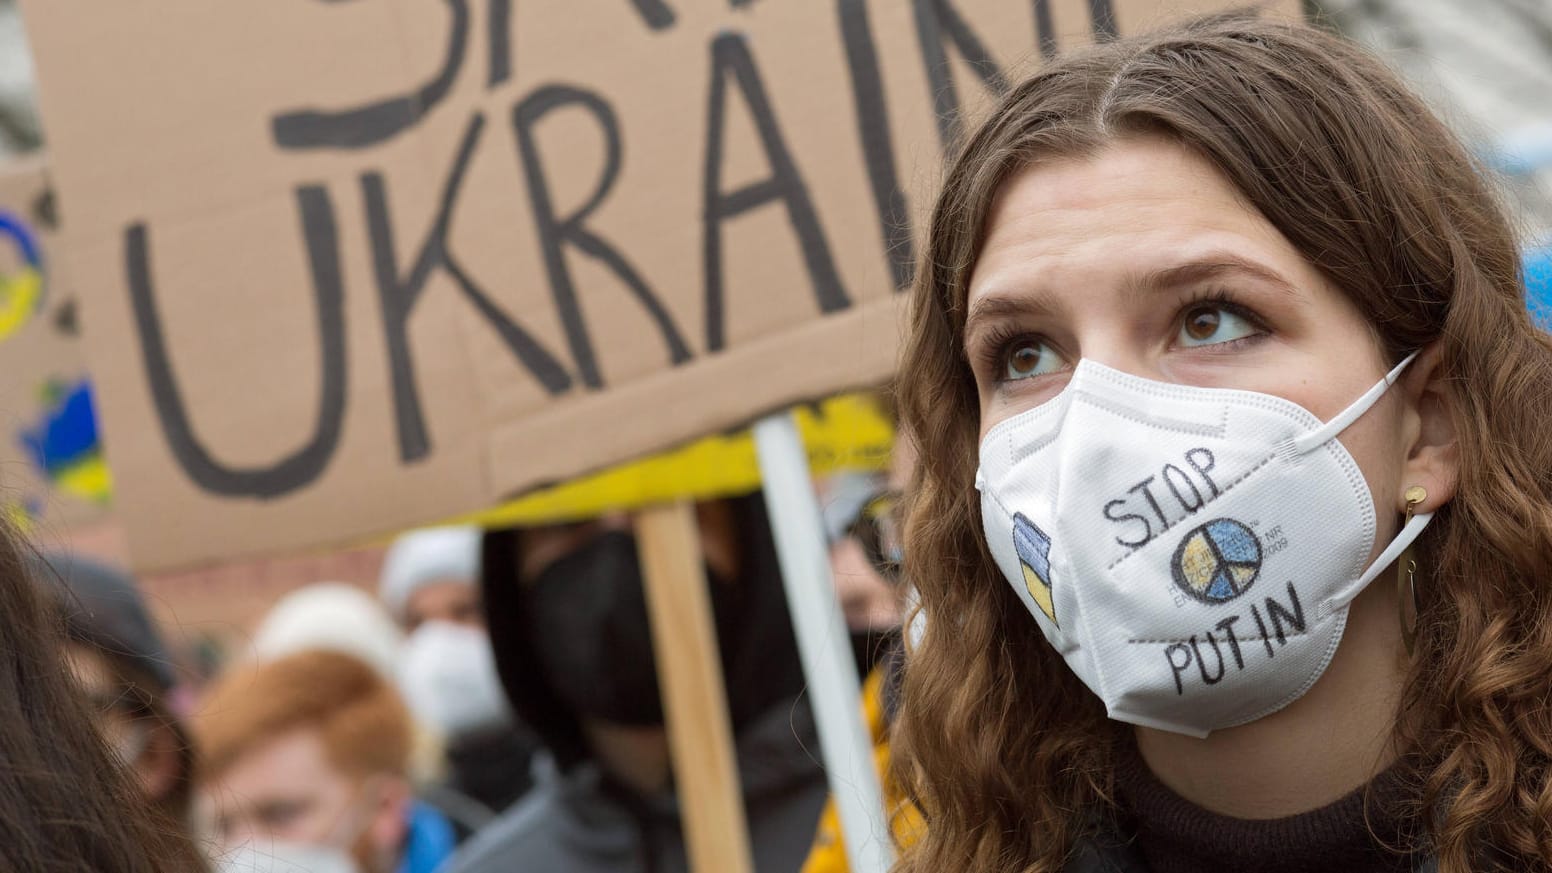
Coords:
285,857
448,674
1190,552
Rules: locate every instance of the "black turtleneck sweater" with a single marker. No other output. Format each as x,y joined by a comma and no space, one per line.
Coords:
1175,835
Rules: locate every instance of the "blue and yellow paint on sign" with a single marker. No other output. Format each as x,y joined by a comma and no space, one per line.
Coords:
64,443
21,292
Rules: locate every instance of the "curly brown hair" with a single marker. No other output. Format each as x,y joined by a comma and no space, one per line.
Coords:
1010,756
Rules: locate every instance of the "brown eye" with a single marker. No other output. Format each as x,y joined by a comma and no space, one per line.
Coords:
1208,325
1202,323
1026,358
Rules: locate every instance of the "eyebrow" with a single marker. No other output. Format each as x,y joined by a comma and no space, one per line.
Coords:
996,307
1213,266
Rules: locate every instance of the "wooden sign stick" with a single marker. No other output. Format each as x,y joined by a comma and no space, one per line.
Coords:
689,666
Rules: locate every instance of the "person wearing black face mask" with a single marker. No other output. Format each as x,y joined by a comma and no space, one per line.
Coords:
568,621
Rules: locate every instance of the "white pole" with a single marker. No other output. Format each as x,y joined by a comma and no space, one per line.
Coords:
823,644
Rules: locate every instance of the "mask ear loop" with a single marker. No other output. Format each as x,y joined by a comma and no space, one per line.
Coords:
1392,554
1406,576
1308,442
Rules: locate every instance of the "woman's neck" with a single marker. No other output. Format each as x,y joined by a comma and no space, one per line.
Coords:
1318,748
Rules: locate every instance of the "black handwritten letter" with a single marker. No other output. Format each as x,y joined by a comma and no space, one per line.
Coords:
1266,639
1174,482
306,463
1178,666
500,25
1201,662
655,13
399,293
867,94
1147,529
1227,626
556,233
937,21
1045,29
730,55
1276,613
1202,461
376,122
1147,493
1102,19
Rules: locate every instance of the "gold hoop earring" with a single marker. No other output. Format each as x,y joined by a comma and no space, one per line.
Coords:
1406,575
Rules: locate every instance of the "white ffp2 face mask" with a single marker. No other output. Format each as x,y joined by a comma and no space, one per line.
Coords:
1190,552
278,856
449,679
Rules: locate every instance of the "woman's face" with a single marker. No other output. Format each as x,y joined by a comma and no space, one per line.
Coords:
1145,259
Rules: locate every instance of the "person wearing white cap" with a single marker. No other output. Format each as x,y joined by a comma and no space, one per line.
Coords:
430,584
432,575
334,616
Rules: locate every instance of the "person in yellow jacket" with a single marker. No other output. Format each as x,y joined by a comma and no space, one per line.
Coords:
905,821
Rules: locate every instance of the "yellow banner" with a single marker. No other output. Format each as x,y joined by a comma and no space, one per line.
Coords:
849,432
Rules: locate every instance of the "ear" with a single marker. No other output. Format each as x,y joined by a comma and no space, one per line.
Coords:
389,817
1428,428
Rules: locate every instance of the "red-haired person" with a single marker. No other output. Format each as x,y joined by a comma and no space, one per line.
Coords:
306,759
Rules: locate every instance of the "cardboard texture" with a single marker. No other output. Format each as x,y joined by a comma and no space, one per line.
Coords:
359,266
52,473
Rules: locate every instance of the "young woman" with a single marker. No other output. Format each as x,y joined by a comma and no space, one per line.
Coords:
1231,525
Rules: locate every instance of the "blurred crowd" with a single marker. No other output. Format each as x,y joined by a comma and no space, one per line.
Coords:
492,703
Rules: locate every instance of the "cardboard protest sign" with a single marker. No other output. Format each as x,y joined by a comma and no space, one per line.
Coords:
358,266
51,464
